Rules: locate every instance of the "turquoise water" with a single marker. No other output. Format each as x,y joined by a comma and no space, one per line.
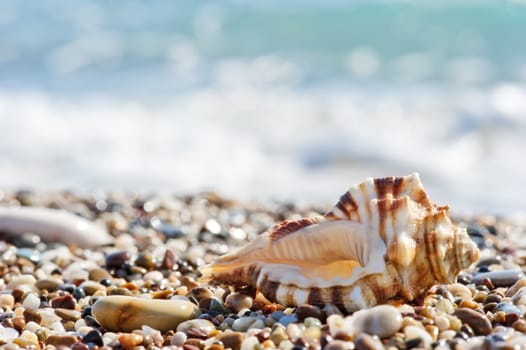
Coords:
291,100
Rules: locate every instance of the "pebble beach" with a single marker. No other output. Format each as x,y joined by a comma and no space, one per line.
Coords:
141,288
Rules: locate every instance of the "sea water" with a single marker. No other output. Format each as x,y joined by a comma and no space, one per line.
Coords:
276,99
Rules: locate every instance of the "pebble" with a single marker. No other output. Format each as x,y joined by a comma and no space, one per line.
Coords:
307,310
50,284
98,274
6,301
366,342
178,339
156,313
94,337
61,340
238,301
288,319
504,278
130,340
380,320
117,259
338,344
476,320
204,326
231,339
31,301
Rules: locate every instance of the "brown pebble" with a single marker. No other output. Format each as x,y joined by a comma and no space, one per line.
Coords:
117,259
130,286
8,323
120,291
169,259
215,346
493,298
50,284
65,302
162,294
197,333
191,347
189,282
146,260
515,287
238,301
18,294
490,307
200,293
91,287
19,323
68,314
365,342
130,340
519,325
510,318
477,320
79,346
231,340
32,315
98,274
198,343
307,310
469,304
61,340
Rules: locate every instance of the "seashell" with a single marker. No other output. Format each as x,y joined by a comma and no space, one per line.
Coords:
53,225
383,239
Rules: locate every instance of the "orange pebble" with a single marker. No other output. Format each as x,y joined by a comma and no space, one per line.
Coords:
130,340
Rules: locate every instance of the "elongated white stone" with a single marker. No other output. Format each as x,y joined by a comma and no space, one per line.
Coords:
53,225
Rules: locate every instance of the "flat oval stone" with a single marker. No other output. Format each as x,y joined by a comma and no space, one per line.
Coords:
476,320
504,278
381,320
125,313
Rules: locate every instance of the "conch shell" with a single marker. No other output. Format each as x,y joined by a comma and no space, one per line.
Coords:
383,239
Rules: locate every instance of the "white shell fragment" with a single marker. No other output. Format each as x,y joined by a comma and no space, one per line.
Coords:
383,239
53,225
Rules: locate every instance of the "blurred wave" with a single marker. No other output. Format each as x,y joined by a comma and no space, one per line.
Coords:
295,100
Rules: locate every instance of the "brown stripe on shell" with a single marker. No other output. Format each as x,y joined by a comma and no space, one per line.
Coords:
384,186
398,186
430,246
288,227
315,296
337,297
268,288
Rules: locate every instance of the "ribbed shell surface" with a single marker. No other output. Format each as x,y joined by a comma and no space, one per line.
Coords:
383,239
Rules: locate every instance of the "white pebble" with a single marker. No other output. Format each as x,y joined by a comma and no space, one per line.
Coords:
110,339
22,280
153,276
7,334
178,339
338,324
243,323
381,320
286,345
32,326
31,301
412,332
249,343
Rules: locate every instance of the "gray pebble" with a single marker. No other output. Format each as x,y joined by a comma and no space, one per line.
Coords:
504,278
